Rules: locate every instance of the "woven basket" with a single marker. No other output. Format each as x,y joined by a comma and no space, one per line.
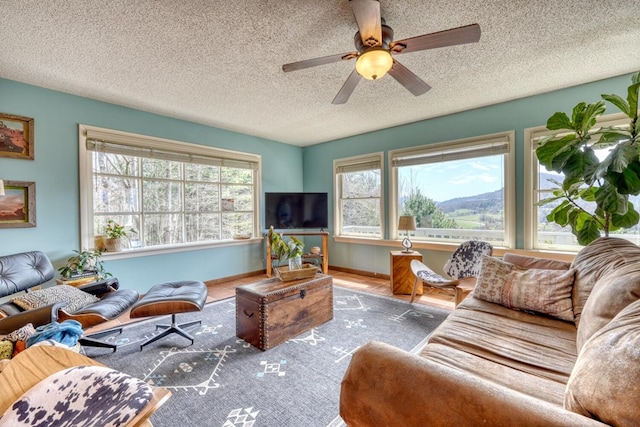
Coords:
307,271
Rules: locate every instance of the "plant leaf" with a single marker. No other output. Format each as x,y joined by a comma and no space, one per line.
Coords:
617,100
559,121
590,118
627,182
551,148
628,220
609,200
588,231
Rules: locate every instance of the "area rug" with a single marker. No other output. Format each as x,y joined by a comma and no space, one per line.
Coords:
222,380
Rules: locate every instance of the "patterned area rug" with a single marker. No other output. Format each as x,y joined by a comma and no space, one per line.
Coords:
223,381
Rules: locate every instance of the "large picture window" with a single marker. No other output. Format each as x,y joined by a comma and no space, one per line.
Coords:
457,190
358,196
171,193
545,235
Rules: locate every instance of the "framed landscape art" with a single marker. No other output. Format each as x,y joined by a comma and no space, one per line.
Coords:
16,136
18,205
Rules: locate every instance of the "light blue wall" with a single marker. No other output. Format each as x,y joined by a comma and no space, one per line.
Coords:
515,115
55,172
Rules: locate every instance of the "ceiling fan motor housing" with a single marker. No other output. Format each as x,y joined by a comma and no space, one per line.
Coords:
387,37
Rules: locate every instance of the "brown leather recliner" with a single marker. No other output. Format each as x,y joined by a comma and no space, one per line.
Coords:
24,271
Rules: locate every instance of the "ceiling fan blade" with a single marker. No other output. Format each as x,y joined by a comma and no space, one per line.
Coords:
347,88
367,14
406,78
318,61
453,36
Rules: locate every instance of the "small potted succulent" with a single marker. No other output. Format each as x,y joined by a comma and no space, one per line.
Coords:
114,234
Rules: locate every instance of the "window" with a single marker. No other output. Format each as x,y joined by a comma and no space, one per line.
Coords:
542,234
358,196
457,190
172,193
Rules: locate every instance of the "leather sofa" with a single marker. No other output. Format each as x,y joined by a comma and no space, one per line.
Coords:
493,365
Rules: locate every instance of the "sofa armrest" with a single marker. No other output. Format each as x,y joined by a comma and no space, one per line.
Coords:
384,385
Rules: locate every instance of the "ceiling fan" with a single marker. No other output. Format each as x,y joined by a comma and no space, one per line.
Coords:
374,47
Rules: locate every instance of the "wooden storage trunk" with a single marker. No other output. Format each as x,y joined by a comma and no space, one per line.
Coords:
271,311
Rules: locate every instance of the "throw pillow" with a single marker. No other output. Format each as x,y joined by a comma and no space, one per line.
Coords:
538,290
604,381
75,298
6,349
22,334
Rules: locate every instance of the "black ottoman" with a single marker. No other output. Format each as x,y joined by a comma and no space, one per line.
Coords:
171,298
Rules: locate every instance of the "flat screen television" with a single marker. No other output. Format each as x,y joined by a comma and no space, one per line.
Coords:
296,210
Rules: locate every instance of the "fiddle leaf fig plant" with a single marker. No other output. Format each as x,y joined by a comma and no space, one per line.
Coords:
587,180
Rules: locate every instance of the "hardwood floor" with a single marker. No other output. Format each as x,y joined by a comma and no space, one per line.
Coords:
376,285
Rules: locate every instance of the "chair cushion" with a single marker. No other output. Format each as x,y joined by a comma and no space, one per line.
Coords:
111,305
465,260
542,291
171,298
429,276
604,381
83,395
75,298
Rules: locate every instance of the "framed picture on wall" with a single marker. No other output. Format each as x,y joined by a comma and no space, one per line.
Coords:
16,136
18,205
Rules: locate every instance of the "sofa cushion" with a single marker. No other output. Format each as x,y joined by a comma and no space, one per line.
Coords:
611,293
542,291
525,261
604,381
541,346
75,298
594,261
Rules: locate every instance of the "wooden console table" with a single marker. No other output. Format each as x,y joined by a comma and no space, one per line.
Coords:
324,251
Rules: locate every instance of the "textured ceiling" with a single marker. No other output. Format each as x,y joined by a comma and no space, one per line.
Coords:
219,63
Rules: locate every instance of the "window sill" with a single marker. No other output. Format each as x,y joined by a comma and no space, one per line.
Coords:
168,249
450,247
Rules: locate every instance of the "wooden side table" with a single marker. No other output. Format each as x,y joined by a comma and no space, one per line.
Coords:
401,277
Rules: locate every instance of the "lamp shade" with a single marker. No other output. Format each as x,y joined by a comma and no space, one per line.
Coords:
407,222
374,63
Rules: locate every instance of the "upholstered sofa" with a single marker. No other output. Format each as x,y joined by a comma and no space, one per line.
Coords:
537,343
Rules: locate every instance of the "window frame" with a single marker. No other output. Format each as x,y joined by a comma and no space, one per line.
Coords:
87,132
428,149
354,161
532,169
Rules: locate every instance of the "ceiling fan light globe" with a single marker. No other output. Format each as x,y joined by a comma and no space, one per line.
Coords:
374,63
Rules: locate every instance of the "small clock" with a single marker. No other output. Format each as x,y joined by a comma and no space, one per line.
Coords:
406,244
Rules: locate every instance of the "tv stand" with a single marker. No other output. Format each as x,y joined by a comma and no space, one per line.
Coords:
324,251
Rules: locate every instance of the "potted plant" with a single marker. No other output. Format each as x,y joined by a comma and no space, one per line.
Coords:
283,250
607,183
114,234
86,264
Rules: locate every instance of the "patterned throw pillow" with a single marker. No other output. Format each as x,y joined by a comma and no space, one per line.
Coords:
75,298
22,334
6,349
542,291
